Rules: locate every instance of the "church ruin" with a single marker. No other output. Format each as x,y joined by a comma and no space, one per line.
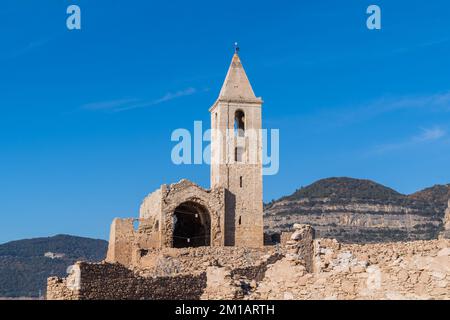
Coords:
194,243
184,214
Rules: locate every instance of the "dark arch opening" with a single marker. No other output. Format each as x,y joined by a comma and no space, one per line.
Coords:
192,226
239,123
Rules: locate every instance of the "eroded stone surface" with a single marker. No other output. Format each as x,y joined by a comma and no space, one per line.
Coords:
411,270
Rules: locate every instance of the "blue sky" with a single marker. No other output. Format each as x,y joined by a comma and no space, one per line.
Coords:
75,151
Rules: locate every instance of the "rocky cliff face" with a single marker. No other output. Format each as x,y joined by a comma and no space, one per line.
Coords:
446,230
353,210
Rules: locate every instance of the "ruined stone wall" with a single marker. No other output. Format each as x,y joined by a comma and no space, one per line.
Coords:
411,270
300,246
151,206
306,268
104,281
169,261
236,284
256,272
285,237
147,236
127,244
121,241
195,275
57,289
185,191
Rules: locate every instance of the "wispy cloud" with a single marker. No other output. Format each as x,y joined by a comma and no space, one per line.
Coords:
427,135
31,46
121,105
432,102
424,44
300,59
336,116
108,105
430,135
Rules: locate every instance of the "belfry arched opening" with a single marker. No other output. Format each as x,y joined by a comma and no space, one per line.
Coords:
192,226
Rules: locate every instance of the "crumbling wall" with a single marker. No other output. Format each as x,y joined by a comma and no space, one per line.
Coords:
121,238
151,206
145,238
128,246
127,242
234,284
104,281
221,285
167,261
185,191
277,238
256,272
300,247
190,273
57,289
403,270
285,237
306,268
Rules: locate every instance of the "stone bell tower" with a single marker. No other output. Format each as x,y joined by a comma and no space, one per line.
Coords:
236,157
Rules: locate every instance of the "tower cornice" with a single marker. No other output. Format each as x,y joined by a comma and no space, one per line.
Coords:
255,102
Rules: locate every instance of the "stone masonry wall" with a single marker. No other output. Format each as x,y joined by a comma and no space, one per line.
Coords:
57,289
185,191
152,205
236,284
300,247
306,268
104,281
121,241
207,277
170,261
411,270
128,244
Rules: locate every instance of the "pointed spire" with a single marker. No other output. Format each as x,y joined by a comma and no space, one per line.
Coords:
236,86
236,47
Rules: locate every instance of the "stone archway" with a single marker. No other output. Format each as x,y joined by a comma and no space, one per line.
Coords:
191,226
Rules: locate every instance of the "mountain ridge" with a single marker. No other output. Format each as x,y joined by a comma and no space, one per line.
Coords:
360,210
26,264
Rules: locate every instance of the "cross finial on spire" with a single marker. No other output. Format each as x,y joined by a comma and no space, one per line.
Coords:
236,47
